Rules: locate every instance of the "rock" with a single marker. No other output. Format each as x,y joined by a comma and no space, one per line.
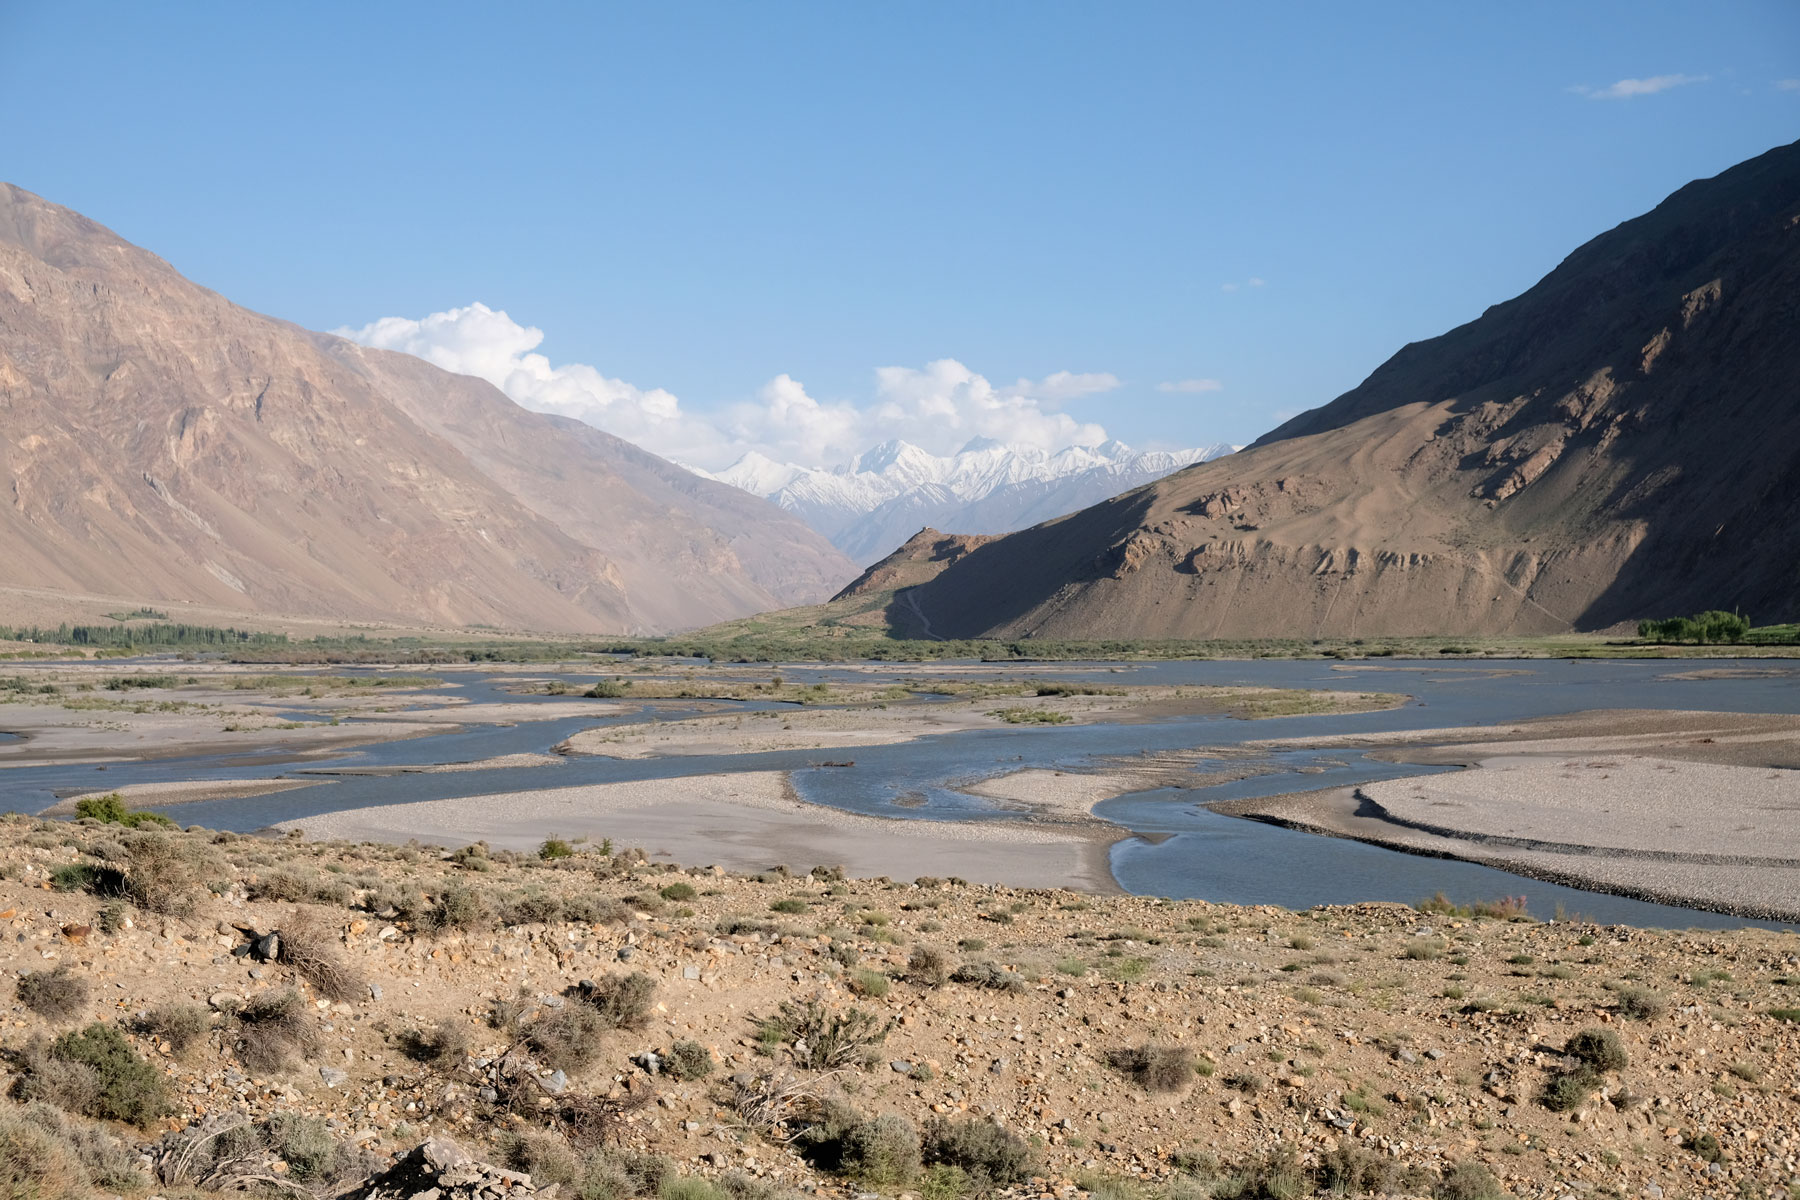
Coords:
625,953
556,1083
333,1076
374,991
225,1001
439,1169
690,972
267,947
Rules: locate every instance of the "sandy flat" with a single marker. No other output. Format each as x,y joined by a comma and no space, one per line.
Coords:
157,795
784,729
747,821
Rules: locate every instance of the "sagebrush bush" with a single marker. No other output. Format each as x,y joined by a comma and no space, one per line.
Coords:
1469,1180
567,1038
115,1081
823,1039
180,1025
928,967
678,892
622,1001
987,975
35,1165
107,1162
160,873
59,995
882,1152
688,1060
309,946
1601,1049
1640,1003
1570,1090
305,1144
1154,1068
992,1157
456,907
273,1029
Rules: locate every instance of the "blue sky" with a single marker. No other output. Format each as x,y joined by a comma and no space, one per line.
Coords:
696,200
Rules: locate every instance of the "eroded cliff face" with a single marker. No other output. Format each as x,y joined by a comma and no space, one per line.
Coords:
1621,441
157,441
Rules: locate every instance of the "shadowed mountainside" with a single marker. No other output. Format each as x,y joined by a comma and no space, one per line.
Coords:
1620,441
161,443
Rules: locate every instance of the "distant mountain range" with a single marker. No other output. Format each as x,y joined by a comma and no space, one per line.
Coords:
160,444
884,497
1621,441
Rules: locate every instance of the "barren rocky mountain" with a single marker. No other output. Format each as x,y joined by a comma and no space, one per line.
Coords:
160,443
1620,441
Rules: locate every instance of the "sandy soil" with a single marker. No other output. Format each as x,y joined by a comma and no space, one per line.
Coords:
156,795
1697,809
787,729
747,821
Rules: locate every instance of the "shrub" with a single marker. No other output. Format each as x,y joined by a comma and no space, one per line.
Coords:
823,1039
621,1001
567,1038
554,848
310,948
80,877
305,1144
987,975
541,1155
1424,949
126,1088
1705,1146
532,907
928,967
472,857
457,907
1640,1003
991,1156
590,909
442,1045
1276,1176
111,809
678,892
180,1025
1469,1180
872,984
688,1060
1601,1049
1570,1090
59,995
106,1161
273,1029
792,906
36,1165
1154,1068
882,1152
159,873
1353,1169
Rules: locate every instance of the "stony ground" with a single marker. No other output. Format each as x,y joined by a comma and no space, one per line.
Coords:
1426,1038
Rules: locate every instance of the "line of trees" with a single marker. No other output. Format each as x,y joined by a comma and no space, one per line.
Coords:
127,636
1713,626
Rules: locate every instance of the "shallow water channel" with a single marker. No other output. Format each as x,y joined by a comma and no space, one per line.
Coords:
1181,848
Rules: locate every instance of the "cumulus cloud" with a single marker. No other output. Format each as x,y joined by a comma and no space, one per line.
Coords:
1629,89
1190,386
938,406
1788,85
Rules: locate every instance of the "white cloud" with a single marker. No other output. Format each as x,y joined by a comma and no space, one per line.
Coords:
1628,89
1191,386
1228,287
1255,282
1788,85
938,407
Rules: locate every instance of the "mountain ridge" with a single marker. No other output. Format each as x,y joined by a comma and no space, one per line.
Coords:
876,501
1621,440
162,442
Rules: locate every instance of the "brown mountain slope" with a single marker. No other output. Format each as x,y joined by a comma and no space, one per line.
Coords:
1623,440
924,556
158,442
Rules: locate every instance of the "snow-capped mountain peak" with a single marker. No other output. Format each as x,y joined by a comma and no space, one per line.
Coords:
886,494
